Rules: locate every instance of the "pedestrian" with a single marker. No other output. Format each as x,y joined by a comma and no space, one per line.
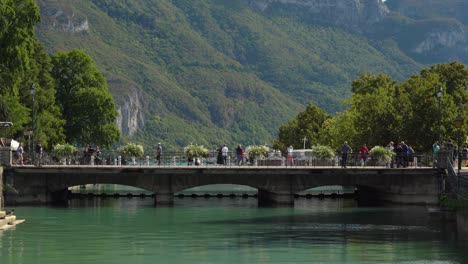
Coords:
158,153
345,149
404,154
225,152
290,159
39,151
19,153
435,151
363,153
219,156
239,154
390,147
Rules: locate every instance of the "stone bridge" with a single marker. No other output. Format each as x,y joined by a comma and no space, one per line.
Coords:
275,185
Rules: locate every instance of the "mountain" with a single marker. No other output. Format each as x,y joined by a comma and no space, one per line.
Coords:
215,71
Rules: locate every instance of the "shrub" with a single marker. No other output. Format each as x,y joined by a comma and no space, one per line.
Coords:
381,154
195,151
323,152
65,150
257,151
132,150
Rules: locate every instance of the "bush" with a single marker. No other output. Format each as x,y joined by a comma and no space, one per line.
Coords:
257,151
381,154
132,150
195,151
323,152
65,150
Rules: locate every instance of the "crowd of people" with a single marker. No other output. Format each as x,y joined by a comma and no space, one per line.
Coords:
404,155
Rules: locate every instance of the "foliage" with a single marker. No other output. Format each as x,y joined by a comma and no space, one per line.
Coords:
87,105
257,151
382,154
24,62
132,150
196,151
307,124
65,150
321,152
383,110
453,202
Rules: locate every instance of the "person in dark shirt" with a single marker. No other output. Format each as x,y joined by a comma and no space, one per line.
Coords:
345,149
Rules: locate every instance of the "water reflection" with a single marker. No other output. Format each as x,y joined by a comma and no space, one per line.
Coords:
230,230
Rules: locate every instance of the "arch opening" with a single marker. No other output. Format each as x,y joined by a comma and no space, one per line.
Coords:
107,189
220,190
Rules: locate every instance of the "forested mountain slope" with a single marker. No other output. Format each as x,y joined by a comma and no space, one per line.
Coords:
214,71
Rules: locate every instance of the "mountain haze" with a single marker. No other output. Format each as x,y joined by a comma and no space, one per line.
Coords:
214,71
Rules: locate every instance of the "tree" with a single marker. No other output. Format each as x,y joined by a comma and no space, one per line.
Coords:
307,123
17,40
48,127
86,104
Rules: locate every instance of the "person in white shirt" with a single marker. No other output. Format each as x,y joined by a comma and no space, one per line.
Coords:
225,152
290,160
20,152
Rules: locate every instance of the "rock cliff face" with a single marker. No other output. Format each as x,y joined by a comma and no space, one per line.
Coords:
448,37
61,20
351,14
130,115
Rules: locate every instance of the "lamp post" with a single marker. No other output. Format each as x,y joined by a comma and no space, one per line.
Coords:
439,94
459,123
33,93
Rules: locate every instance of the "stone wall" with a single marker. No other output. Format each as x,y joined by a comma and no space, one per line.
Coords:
6,156
462,224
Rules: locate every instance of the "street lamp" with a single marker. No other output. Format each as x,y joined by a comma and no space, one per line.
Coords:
459,123
33,93
439,94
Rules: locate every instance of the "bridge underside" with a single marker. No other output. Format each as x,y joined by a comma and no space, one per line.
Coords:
275,186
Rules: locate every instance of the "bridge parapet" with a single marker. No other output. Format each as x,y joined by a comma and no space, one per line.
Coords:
275,184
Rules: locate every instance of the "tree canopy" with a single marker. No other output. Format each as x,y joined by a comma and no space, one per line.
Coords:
86,104
383,110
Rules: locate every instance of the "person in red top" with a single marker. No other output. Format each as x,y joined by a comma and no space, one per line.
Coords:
363,152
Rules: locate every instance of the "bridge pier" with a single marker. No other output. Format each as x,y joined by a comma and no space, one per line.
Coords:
164,199
269,198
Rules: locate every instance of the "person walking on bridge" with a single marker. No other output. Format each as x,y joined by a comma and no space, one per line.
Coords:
158,153
345,149
363,153
19,153
290,160
225,152
239,155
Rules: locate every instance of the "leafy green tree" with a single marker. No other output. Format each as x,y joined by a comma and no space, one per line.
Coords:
48,127
17,40
307,123
339,129
382,110
86,104
378,109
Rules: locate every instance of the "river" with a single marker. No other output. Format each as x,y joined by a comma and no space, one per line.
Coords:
230,230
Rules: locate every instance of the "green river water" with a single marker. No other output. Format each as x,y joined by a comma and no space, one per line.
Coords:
230,230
